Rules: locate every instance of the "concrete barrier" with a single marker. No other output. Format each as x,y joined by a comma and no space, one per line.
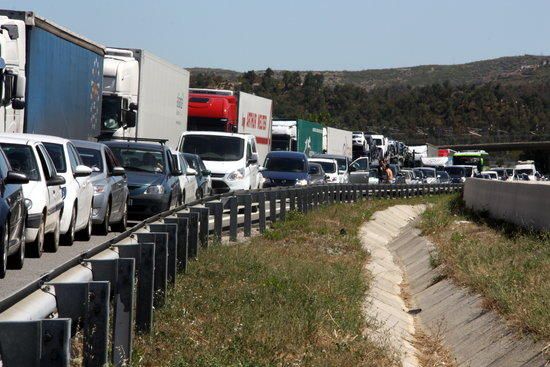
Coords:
523,203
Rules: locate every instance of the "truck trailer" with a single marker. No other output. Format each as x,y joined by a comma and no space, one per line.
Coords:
228,111
297,136
337,141
144,96
51,78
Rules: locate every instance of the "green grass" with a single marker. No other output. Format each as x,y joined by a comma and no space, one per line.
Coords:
292,297
508,265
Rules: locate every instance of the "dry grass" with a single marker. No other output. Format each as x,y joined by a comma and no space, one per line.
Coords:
291,297
431,350
508,265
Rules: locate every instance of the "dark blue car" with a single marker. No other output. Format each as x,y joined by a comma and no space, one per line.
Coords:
285,169
152,176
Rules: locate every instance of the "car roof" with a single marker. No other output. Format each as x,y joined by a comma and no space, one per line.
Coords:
134,144
87,144
324,160
5,138
333,156
286,154
41,138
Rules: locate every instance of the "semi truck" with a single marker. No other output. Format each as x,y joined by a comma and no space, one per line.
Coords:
51,78
228,111
297,136
337,141
144,96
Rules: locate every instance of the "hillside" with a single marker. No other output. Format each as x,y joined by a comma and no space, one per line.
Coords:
505,70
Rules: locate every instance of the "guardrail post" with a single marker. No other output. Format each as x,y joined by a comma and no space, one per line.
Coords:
216,209
87,303
181,252
307,198
144,255
36,343
246,201
292,198
233,220
171,231
261,211
192,233
272,197
161,264
121,275
204,215
282,204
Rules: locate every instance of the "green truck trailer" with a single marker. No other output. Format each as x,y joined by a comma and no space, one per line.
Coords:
297,136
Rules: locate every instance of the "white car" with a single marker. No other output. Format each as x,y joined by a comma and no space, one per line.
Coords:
525,170
231,158
77,192
188,181
330,166
489,175
43,199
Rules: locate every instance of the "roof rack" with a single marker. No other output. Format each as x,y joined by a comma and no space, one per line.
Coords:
136,139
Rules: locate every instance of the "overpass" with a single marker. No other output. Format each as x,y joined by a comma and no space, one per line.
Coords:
500,146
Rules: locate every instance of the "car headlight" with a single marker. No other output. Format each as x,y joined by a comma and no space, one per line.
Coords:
98,189
301,182
236,175
154,189
63,192
267,180
463,179
28,204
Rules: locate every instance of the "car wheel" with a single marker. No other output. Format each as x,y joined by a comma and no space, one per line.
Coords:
17,260
52,239
68,238
123,223
4,252
37,247
85,234
103,228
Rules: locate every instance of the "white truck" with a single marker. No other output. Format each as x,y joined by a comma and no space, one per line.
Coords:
255,119
144,96
337,141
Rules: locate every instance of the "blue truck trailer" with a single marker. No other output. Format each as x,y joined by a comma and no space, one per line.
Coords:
51,78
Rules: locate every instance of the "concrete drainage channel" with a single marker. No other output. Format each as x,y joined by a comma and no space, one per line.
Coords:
111,291
474,336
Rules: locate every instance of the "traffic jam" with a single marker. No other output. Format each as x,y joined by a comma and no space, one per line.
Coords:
125,138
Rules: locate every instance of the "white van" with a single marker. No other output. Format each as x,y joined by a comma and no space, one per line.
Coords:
231,158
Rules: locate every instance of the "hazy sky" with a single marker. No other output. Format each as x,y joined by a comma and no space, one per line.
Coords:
308,34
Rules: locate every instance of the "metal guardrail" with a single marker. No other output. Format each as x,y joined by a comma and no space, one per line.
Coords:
110,292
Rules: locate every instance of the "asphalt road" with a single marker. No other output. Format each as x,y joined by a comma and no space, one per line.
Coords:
33,269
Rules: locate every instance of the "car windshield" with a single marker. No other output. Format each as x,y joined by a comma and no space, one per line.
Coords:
361,164
91,158
328,167
377,141
140,160
456,171
443,175
213,147
57,155
22,160
313,169
527,171
280,164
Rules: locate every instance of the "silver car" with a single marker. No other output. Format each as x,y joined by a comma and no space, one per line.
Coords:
110,203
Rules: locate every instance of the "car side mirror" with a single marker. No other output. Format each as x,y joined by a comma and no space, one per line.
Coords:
129,118
177,172
191,172
118,171
82,171
56,181
352,169
133,106
261,168
16,178
17,104
252,160
206,172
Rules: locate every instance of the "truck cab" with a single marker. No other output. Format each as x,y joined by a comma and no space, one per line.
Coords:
284,136
212,110
231,158
120,91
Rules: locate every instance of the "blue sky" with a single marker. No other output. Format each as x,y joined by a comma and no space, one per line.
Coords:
308,34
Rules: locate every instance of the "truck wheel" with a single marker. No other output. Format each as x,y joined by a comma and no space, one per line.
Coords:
103,228
68,238
4,252
52,239
123,223
37,247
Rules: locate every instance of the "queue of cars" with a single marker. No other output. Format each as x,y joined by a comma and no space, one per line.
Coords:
54,190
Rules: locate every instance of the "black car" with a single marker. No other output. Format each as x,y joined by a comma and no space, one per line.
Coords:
152,176
204,185
12,217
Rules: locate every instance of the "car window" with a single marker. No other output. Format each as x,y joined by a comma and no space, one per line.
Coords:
46,162
141,160
22,160
253,142
4,165
55,152
191,162
201,165
177,162
182,163
248,151
74,157
112,162
91,158
313,170
361,164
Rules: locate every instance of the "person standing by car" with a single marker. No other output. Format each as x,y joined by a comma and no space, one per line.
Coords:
389,174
